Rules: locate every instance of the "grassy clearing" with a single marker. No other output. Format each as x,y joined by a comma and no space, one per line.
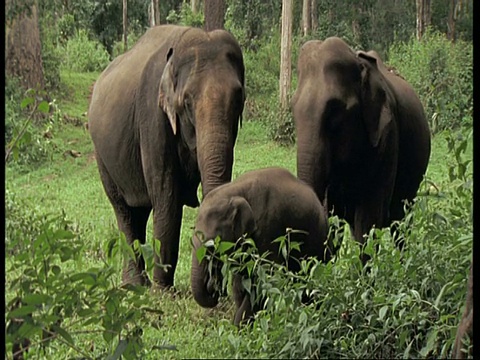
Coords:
72,185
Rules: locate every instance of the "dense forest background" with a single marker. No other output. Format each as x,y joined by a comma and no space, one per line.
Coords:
63,249
47,36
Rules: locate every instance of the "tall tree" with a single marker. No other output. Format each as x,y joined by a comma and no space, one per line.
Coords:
313,15
424,17
125,27
154,13
306,17
23,52
214,11
285,53
194,4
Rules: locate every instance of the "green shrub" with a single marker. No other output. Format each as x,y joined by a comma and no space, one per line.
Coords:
85,55
441,72
27,129
185,16
407,305
118,46
13,111
262,82
52,57
55,304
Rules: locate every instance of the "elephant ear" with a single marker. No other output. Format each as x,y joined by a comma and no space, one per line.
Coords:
377,112
241,217
166,98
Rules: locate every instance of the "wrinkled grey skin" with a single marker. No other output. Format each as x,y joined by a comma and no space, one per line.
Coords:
363,142
163,117
262,204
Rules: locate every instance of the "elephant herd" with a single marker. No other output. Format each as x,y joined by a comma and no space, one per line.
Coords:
164,118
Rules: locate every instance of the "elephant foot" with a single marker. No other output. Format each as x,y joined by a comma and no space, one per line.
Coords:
132,275
163,279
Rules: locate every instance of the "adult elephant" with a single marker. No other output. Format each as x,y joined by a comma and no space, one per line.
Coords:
363,142
261,203
163,117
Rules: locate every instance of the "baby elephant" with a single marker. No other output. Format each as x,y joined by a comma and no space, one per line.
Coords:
262,204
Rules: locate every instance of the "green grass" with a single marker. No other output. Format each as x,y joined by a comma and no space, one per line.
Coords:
72,185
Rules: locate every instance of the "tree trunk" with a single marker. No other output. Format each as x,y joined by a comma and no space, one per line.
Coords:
465,327
314,15
194,5
214,14
154,13
455,5
125,19
23,51
306,17
285,53
424,16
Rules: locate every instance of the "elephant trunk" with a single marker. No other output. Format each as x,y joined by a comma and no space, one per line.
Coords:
215,160
217,117
203,288
313,166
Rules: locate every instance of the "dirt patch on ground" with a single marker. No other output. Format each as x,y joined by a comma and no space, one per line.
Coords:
90,158
49,177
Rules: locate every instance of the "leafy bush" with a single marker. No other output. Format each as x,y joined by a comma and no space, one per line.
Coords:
85,55
55,304
118,47
185,16
13,111
407,305
261,82
441,72
27,141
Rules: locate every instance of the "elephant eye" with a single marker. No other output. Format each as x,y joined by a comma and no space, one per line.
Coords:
188,108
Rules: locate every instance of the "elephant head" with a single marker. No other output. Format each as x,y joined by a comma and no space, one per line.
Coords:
202,94
341,108
229,218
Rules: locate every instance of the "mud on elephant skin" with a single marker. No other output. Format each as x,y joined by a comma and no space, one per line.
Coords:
164,117
363,141
261,204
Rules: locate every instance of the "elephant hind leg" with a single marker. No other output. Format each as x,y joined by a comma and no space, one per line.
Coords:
132,221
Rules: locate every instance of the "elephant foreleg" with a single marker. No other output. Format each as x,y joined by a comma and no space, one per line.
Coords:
244,310
167,222
367,215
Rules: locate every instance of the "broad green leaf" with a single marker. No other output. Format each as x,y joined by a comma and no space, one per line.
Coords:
27,101
35,299
382,312
110,247
303,319
156,246
63,333
224,246
247,284
439,297
87,277
431,339
44,107
21,311
201,251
